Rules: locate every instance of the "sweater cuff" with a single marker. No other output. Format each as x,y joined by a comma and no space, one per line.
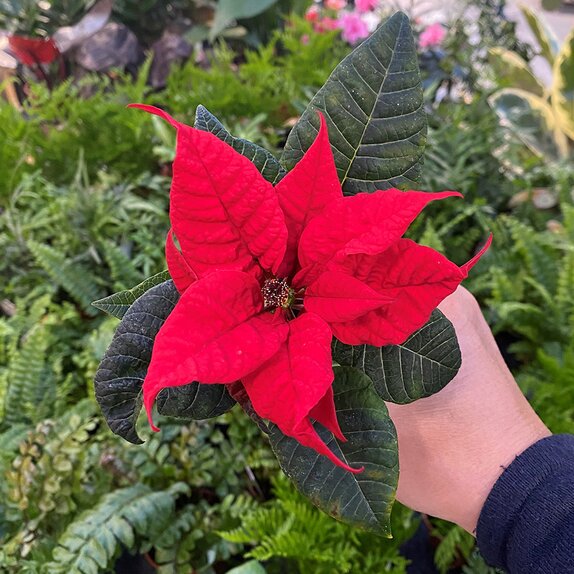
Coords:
527,515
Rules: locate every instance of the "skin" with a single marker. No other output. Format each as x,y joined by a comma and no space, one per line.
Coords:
454,445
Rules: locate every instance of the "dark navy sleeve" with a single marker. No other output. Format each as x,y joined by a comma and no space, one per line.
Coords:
527,523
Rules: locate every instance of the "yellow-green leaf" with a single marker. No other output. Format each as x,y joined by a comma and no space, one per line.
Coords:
513,71
544,36
532,120
563,86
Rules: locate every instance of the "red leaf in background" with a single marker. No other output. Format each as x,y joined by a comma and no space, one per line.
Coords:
363,223
181,273
32,51
414,278
225,215
306,191
241,323
298,375
215,334
337,296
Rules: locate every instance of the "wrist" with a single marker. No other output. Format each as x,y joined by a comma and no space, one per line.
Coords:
504,443
453,446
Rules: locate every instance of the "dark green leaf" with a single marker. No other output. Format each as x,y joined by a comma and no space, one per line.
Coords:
364,499
119,379
418,368
195,401
373,104
264,161
118,303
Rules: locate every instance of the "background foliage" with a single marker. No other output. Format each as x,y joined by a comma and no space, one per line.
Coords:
83,213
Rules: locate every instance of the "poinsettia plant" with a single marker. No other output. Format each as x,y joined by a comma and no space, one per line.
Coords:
291,290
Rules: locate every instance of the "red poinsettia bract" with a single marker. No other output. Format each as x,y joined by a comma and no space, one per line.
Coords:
268,275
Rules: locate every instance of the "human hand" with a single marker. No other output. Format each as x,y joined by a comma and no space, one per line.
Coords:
454,445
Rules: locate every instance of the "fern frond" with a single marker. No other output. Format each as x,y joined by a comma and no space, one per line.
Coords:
121,519
456,541
504,288
431,237
183,523
25,377
175,549
76,280
295,544
528,244
565,291
258,524
238,506
123,272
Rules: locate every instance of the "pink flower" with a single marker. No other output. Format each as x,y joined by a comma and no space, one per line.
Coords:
366,5
305,39
312,14
335,4
432,36
326,24
353,27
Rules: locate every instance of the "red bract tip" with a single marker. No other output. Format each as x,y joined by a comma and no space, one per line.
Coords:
148,408
470,264
156,112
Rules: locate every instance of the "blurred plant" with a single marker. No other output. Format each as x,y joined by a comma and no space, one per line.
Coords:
529,287
455,546
199,20
455,69
355,22
495,29
549,382
228,11
57,126
271,80
543,119
60,125
41,19
148,18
